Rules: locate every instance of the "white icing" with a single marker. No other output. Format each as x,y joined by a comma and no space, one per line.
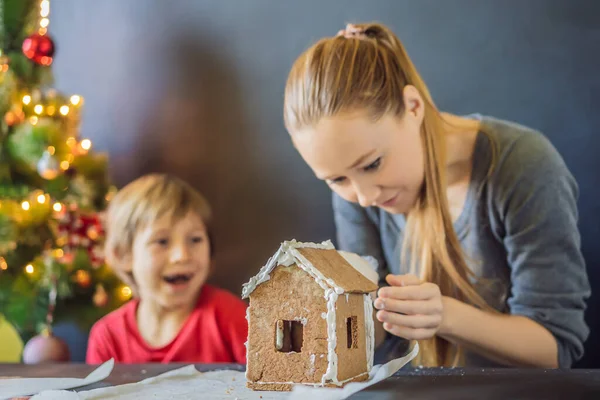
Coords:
369,331
331,373
311,370
323,315
285,256
286,259
303,320
367,265
279,337
261,277
347,297
247,344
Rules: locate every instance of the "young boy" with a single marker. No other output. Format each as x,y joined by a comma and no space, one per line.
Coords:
158,242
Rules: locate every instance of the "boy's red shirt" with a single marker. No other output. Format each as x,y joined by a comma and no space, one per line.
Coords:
215,332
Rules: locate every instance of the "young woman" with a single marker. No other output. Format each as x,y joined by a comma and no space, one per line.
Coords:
473,220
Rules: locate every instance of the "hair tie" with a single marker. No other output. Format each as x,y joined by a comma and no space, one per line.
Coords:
352,31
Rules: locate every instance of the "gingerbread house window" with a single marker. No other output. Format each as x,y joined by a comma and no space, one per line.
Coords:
288,336
352,332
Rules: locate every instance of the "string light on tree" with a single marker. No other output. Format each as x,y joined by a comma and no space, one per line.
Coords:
125,293
39,47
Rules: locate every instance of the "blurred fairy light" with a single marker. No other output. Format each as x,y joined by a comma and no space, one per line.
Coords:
44,8
57,207
126,292
75,99
86,144
44,13
29,269
25,205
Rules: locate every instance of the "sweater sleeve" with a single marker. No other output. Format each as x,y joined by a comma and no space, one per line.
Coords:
537,203
357,232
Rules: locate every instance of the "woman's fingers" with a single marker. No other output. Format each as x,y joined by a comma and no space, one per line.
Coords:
423,291
409,333
410,307
402,280
410,321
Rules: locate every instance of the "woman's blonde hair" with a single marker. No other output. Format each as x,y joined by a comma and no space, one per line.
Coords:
141,203
369,71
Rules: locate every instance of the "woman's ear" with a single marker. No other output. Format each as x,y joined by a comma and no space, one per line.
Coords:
413,102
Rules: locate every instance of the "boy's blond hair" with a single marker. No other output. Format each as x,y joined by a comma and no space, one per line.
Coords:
142,202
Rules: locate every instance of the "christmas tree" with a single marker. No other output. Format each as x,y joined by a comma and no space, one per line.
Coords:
53,188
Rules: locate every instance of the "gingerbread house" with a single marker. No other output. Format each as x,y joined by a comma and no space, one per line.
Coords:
310,319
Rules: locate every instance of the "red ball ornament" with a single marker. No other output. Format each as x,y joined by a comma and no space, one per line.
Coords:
39,49
45,348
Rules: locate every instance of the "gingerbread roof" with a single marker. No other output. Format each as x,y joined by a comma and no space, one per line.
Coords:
331,269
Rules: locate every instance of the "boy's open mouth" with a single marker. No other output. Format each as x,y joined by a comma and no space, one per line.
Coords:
177,278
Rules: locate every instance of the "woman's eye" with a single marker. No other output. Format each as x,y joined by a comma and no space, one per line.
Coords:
161,242
336,181
373,166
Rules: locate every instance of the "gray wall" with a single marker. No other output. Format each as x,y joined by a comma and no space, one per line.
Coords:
195,88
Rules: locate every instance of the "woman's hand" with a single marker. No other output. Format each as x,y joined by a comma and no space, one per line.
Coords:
410,308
